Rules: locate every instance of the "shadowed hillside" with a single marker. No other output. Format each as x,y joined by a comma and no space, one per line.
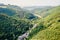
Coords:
16,11
11,28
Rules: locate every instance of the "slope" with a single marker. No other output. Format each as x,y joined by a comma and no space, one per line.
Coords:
16,11
52,27
11,28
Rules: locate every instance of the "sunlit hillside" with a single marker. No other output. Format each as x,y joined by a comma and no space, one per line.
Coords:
52,27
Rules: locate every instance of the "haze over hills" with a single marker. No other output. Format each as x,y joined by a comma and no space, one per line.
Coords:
14,10
24,12
40,10
36,7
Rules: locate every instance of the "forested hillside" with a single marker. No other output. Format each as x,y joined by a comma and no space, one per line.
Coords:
16,11
49,27
41,23
11,28
43,11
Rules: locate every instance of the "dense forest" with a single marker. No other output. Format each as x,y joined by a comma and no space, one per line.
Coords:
49,27
42,23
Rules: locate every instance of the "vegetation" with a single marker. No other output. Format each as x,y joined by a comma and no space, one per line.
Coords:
52,27
16,12
11,28
15,21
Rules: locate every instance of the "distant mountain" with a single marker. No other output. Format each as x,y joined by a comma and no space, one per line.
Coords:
1,4
9,9
36,7
16,11
40,10
10,26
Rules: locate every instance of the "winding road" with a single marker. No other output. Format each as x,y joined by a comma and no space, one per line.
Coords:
38,15
25,35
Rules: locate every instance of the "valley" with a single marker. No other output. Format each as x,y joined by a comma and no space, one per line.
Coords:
29,23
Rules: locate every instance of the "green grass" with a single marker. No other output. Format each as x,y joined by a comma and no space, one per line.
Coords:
52,24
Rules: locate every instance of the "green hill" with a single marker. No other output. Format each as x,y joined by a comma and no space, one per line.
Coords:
7,11
51,27
15,21
11,28
16,11
43,11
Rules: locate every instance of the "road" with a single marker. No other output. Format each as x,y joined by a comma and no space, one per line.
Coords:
38,15
25,35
